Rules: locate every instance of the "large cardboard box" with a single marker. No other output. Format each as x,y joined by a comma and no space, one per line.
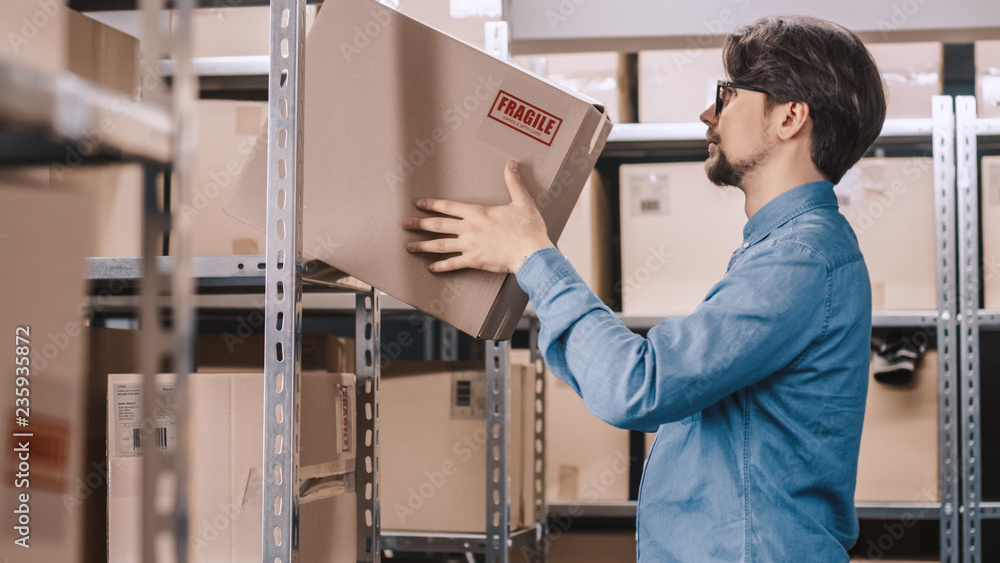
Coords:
990,182
678,233
34,33
899,442
433,446
890,204
676,85
401,111
912,74
43,237
586,458
585,239
988,78
226,430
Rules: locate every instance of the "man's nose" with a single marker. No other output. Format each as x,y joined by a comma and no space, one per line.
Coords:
708,116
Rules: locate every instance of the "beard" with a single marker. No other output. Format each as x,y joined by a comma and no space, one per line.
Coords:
724,172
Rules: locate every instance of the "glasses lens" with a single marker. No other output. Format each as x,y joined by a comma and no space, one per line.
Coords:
718,98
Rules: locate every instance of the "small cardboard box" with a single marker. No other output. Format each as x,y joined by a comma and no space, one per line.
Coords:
899,442
586,458
889,202
990,182
676,85
43,238
399,111
433,446
988,78
225,480
585,242
912,74
678,233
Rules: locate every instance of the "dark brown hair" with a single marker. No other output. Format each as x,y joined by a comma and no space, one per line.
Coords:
802,59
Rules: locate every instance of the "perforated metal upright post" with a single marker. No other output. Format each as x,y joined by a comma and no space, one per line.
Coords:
968,297
497,474
368,335
944,200
538,482
283,283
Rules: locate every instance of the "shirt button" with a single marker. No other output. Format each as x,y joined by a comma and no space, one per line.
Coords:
746,245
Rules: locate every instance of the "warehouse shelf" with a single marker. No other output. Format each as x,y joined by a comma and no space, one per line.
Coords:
248,270
880,319
627,509
989,509
989,320
444,542
60,117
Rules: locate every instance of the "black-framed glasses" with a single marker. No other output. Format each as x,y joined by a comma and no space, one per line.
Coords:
722,84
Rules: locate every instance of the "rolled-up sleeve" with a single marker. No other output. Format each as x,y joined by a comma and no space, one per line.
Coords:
767,310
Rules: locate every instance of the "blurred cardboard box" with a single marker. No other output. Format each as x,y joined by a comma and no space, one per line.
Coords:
676,85
35,33
591,74
462,19
678,233
889,203
912,74
379,139
990,182
899,442
586,458
231,29
235,352
225,480
585,239
43,237
988,78
433,446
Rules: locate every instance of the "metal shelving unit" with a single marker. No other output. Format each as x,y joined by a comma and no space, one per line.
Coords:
974,319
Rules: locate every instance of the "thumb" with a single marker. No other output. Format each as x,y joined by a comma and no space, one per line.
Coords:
518,193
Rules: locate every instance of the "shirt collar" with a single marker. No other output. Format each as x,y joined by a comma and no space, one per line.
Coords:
786,207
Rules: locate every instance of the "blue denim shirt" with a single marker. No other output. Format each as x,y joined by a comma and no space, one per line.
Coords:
756,398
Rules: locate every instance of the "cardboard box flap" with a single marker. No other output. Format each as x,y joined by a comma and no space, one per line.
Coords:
416,113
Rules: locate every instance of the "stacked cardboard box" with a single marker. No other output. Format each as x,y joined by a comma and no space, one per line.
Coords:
678,233
42,302
890,204
990,199
899,443
443,126
433,446
988,78
912,74
225,423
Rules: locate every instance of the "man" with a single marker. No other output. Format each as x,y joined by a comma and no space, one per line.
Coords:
757,398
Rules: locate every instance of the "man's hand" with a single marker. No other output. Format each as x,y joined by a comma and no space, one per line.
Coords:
496,239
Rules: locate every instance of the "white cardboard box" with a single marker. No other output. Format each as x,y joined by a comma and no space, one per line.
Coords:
990,182
890,204
43,238
678,233
912,74
586,458
433,446
226,428
899,442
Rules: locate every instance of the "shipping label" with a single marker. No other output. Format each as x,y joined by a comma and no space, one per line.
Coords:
132,428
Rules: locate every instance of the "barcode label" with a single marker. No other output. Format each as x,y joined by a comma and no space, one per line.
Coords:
649,205
648,194
130,424
468,395
463,393
161,439
136,439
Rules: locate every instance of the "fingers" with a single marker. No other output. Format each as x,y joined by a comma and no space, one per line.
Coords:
450,264
442,225
446,207
437,246
518,193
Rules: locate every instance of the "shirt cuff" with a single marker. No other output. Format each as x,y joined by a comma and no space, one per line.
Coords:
540,271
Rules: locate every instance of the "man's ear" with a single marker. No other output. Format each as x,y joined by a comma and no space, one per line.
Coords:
792,118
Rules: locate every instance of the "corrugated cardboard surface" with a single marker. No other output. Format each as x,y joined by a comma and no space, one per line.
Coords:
103,54
433,465
44,289
34,33
912,74
890,204
988,78
899,442
401,111
678,233
586,458
990,182
226,424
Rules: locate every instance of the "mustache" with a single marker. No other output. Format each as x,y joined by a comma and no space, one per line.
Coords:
712,138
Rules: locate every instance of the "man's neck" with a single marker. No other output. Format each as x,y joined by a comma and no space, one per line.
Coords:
772,179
